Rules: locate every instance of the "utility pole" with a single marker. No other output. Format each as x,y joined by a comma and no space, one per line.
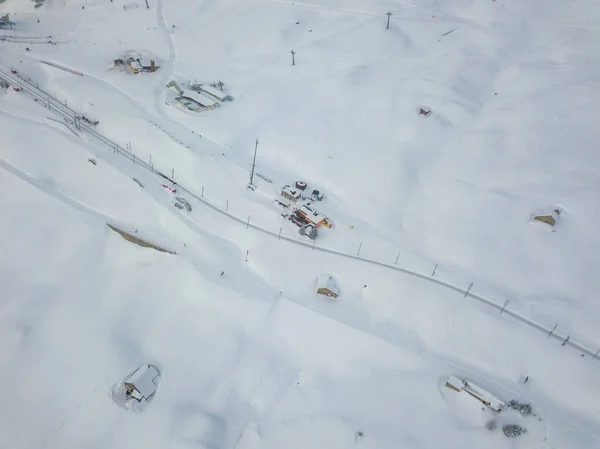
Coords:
293,58
389,14
253,163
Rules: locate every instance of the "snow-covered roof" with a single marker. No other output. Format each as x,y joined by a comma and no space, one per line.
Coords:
455,382
312,215
199,98
146,62
214,92
484,396
135,64
292,192
329,283
144,380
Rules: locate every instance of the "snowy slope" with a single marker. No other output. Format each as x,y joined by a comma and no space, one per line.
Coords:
252,358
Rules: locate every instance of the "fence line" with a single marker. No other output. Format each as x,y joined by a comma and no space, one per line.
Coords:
73,118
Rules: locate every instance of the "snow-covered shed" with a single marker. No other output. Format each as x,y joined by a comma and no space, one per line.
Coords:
148,65
142,383
134,66
548,218
326,286
484,396
488,399
425,110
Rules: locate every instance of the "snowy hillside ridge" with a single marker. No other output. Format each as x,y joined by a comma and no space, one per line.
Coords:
381,165
67,114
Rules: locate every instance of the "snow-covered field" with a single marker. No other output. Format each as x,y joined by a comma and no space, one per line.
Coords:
250,356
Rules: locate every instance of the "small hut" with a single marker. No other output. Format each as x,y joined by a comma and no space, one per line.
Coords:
142,383
326,286
454,383
425,111
550,219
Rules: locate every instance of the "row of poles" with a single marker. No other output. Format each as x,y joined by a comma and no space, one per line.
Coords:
77,123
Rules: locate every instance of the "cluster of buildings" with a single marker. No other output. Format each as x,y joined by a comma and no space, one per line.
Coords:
198,97
302,212
135,65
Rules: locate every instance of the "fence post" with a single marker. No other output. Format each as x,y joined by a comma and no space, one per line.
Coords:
247,256
468,290
248,224
567,339
434,268
280,229
202,194
173,173
504,307
397,257
151,161
133,158
359,247
227,205
552,331
314,243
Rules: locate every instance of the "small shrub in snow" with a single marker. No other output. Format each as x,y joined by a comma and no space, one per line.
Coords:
491,425
523,409
513,430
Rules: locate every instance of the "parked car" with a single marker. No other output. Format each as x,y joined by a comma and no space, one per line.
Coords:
181,203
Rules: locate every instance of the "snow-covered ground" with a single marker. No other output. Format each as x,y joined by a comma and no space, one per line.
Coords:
250,357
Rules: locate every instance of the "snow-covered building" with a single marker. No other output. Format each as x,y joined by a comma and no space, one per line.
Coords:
454,383
148,65
548,218
215,93
314,217
425,110
142,383
134,66
195,101
290,193
326,286
488,399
